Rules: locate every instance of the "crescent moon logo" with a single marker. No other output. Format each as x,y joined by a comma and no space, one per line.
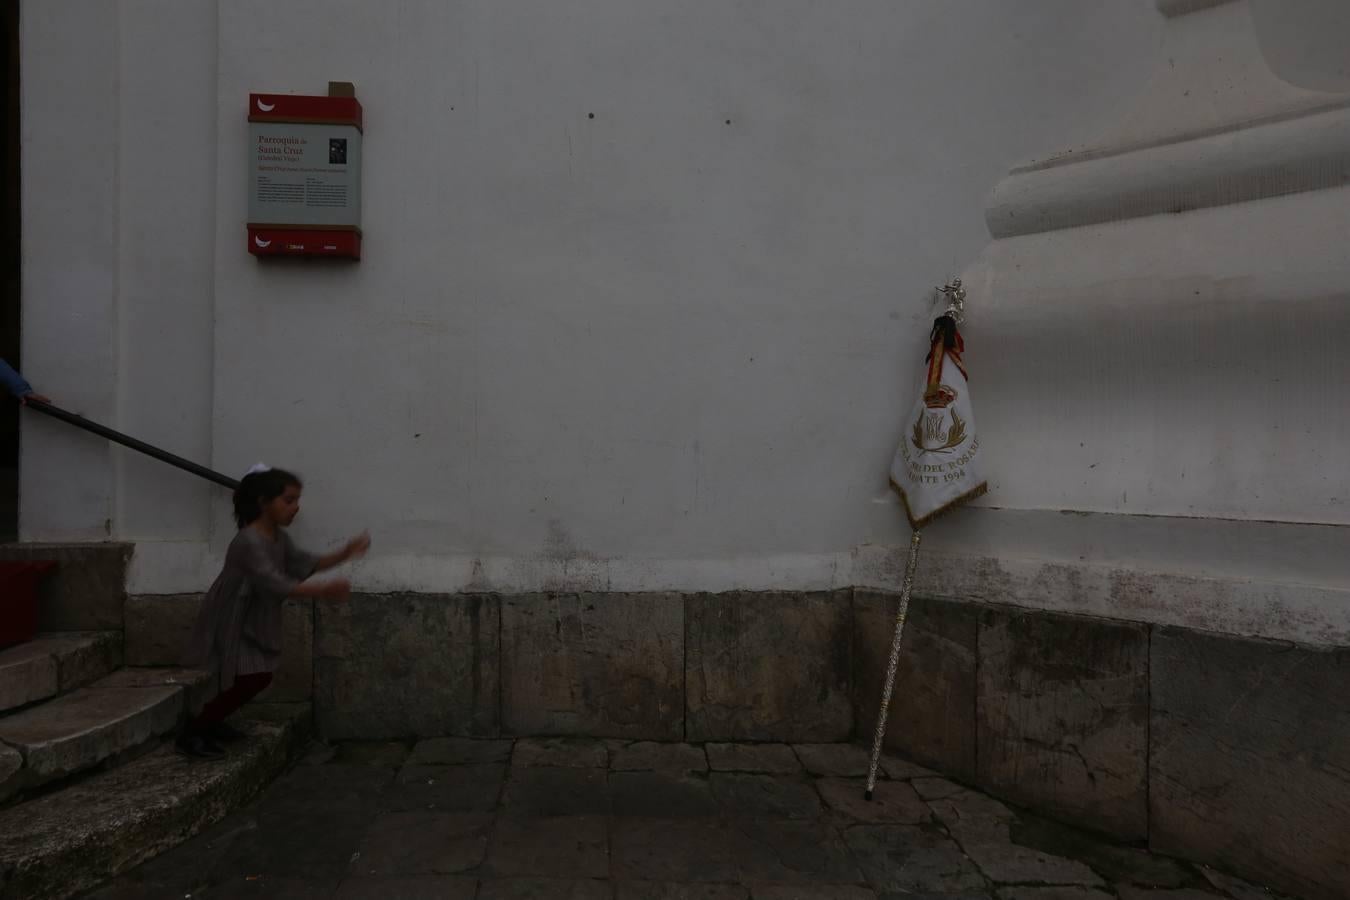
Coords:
266,107
261,243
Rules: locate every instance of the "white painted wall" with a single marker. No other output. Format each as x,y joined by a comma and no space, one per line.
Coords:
644,335
1303,41
654,350
1164,306
70,138
648,349
167,234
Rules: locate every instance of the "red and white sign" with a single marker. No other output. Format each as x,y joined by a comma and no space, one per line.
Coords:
304,176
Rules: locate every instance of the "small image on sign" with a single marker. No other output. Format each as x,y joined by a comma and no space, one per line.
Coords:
337,151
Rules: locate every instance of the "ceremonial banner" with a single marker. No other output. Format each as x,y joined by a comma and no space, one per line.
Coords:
938,464
937,467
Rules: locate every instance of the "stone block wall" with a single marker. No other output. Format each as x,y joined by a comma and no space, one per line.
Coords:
398,665
158,629
653,666
1061,708
610,665
86,591
1220,749
932,711
1249,763
768,667
1225,750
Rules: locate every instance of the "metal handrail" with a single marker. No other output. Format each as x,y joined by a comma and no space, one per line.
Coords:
164,456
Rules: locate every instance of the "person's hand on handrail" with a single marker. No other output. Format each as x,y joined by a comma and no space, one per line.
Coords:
18,386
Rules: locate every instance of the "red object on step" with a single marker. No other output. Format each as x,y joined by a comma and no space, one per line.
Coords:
19,599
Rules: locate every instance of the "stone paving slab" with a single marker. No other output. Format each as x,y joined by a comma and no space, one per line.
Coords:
462,789
1117,864
903,770
914,859
670,890
1052,893
336,789
658,757
543,889
794,852
770,759
974,818
310,847
552,791
578,753
410,887
839,760
188,869
559,847
385,754
1232,886
1130,892
660,795
308,826
812,892
459,751
698,850
552,825
936,788
1007,863
892,801
292,887
424,843
765,795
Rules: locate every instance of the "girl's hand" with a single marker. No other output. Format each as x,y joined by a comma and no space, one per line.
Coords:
357,546
338,589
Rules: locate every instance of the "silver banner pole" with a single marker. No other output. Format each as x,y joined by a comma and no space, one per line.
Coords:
894,661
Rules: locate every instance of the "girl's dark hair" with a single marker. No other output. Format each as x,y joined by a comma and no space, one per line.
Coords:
258,489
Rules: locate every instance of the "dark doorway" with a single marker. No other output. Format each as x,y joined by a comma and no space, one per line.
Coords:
9,275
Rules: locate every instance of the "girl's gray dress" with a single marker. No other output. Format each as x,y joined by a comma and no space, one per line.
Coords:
238,630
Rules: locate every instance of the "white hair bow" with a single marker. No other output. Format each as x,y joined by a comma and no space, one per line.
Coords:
256,468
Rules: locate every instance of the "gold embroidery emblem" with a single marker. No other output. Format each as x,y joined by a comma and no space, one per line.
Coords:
932,433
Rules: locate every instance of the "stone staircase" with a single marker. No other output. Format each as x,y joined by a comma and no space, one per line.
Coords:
97,722
55,664
89,781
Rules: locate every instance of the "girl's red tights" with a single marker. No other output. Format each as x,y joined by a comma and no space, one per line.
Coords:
244,689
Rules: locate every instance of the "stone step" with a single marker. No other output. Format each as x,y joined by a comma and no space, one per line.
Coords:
70,840
57,663
77,731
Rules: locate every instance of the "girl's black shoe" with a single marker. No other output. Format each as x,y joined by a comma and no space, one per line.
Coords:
225,733
198,747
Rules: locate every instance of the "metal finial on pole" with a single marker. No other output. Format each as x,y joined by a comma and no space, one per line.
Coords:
956,300
894,661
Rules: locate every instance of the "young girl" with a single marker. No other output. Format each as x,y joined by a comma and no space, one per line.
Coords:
238,632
